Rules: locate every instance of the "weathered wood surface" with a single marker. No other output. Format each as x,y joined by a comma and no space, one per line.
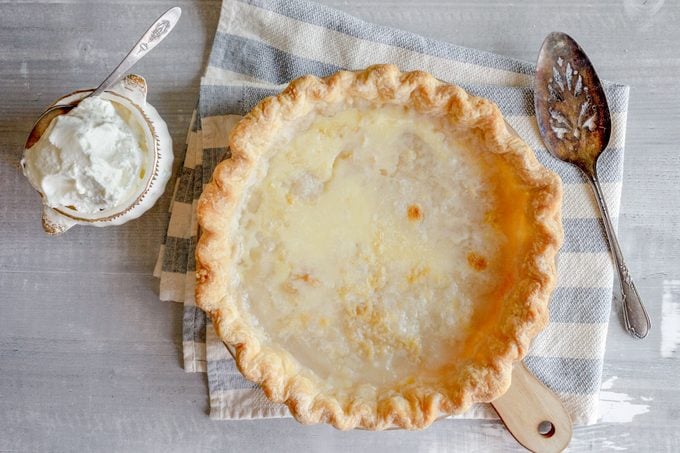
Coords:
90,359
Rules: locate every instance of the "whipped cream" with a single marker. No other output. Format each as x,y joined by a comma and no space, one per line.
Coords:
91,159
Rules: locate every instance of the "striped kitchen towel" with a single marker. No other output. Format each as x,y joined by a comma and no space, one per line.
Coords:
260,45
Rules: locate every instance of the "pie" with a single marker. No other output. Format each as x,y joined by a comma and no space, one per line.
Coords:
379,249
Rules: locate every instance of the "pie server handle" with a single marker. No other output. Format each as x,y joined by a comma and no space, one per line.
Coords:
533,414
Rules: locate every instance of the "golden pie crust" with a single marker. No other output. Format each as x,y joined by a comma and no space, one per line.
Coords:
498,278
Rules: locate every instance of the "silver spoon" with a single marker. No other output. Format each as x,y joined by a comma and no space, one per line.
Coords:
574,121
154,35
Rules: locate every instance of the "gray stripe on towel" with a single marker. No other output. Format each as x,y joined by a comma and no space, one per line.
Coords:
584,235
184,192
175,255
191,256
580,305
262,61
193,324
212,157
567,375
198,181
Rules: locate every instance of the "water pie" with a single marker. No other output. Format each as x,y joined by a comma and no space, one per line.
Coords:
379,249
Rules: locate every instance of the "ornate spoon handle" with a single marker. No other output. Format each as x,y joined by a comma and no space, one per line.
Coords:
634,315
154,35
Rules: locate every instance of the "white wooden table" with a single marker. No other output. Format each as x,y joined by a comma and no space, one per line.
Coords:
90,359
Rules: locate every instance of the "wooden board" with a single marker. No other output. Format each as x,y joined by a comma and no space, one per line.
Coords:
533,414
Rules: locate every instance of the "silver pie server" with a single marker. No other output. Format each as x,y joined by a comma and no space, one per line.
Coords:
575,124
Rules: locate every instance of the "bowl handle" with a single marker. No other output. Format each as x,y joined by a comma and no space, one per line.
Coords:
54,223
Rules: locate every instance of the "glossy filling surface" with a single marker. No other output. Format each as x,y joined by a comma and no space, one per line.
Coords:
373,243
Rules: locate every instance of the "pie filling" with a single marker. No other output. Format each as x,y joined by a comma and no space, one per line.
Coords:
371,242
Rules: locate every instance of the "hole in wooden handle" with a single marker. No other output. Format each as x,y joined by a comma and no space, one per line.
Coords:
546,428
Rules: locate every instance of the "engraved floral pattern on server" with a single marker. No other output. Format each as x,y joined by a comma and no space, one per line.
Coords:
573,112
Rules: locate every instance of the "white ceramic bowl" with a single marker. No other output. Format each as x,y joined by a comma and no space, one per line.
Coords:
130,93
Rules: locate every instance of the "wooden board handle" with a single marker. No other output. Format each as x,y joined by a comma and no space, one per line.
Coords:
533,414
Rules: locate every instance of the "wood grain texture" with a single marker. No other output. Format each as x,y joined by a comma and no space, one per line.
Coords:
527,405
90,359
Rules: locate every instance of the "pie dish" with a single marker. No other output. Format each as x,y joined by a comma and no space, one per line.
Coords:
379,249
